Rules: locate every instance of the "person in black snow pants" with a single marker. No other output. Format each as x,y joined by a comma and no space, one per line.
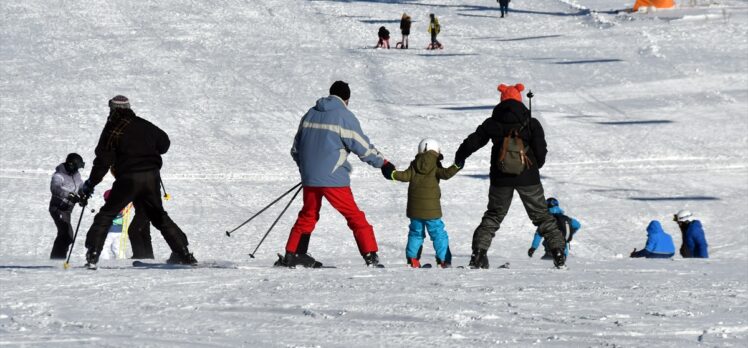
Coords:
511,115
504,7
131,147
65,183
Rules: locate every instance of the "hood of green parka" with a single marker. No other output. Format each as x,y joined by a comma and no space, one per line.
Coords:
426,162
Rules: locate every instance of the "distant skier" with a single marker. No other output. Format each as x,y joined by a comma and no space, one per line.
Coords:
424,208
568,226
504,7
511,116
64,186
327,133
113,240
132,147
384,38
405,23
659,243
434,30
694,240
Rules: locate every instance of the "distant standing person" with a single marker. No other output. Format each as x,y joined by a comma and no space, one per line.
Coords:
434,29
132,148
64,186
405,30
511,123
327,134
659,243
694,240
504,7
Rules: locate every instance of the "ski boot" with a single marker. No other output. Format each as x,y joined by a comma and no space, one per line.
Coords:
292,260
183,257
372,260
414,262
443,264
559,258
478,259
92,258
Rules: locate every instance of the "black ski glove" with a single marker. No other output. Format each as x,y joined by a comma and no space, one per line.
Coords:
86,190
73,198
387,170
530,252
460,162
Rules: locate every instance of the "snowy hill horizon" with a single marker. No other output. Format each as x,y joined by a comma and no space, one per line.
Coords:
644,114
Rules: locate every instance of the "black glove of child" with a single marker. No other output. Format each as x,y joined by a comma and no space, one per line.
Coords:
530,252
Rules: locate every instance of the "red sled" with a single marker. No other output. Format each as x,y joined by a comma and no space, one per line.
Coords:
435,46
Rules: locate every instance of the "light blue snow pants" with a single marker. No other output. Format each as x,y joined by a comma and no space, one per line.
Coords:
417,233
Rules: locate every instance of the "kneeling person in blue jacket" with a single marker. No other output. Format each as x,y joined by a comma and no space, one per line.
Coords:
694,241
659,243
568,226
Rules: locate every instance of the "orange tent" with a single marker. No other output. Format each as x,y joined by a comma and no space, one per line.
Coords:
654,3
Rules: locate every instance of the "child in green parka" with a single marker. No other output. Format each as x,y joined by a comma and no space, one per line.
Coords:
424,207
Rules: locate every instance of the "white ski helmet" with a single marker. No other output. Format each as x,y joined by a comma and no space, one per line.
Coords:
428,144
684,216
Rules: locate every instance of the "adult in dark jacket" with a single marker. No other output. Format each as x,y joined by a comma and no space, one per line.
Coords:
131,147
694,240
405,22
510,114
504,7
64,186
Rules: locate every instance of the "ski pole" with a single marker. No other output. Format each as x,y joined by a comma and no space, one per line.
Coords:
166,195
529,96
228,233
252,255
66,265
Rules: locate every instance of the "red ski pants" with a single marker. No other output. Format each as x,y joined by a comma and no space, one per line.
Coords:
341,198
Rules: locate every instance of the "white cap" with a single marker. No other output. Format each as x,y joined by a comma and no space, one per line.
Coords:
684,216
428,144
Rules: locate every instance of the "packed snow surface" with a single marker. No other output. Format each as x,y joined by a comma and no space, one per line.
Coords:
644,114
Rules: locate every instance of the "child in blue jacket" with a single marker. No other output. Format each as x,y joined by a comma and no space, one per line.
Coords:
568,226
694,241
659,243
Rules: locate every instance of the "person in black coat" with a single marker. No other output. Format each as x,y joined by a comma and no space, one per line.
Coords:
131,147
504,7
384,38
510,114
405,22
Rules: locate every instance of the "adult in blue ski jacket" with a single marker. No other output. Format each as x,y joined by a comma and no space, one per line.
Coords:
659,243
568,226
694,241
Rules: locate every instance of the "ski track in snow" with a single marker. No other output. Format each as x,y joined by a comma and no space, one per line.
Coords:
644,114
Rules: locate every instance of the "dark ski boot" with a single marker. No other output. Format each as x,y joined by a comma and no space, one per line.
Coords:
183,257
292,260
92,259
479,259
443,264
372,260
559,258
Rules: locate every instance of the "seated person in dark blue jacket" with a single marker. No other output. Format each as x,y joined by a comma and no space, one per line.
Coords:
694,241
659,243
568,226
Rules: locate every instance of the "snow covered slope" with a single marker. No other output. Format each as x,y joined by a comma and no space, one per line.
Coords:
644,114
